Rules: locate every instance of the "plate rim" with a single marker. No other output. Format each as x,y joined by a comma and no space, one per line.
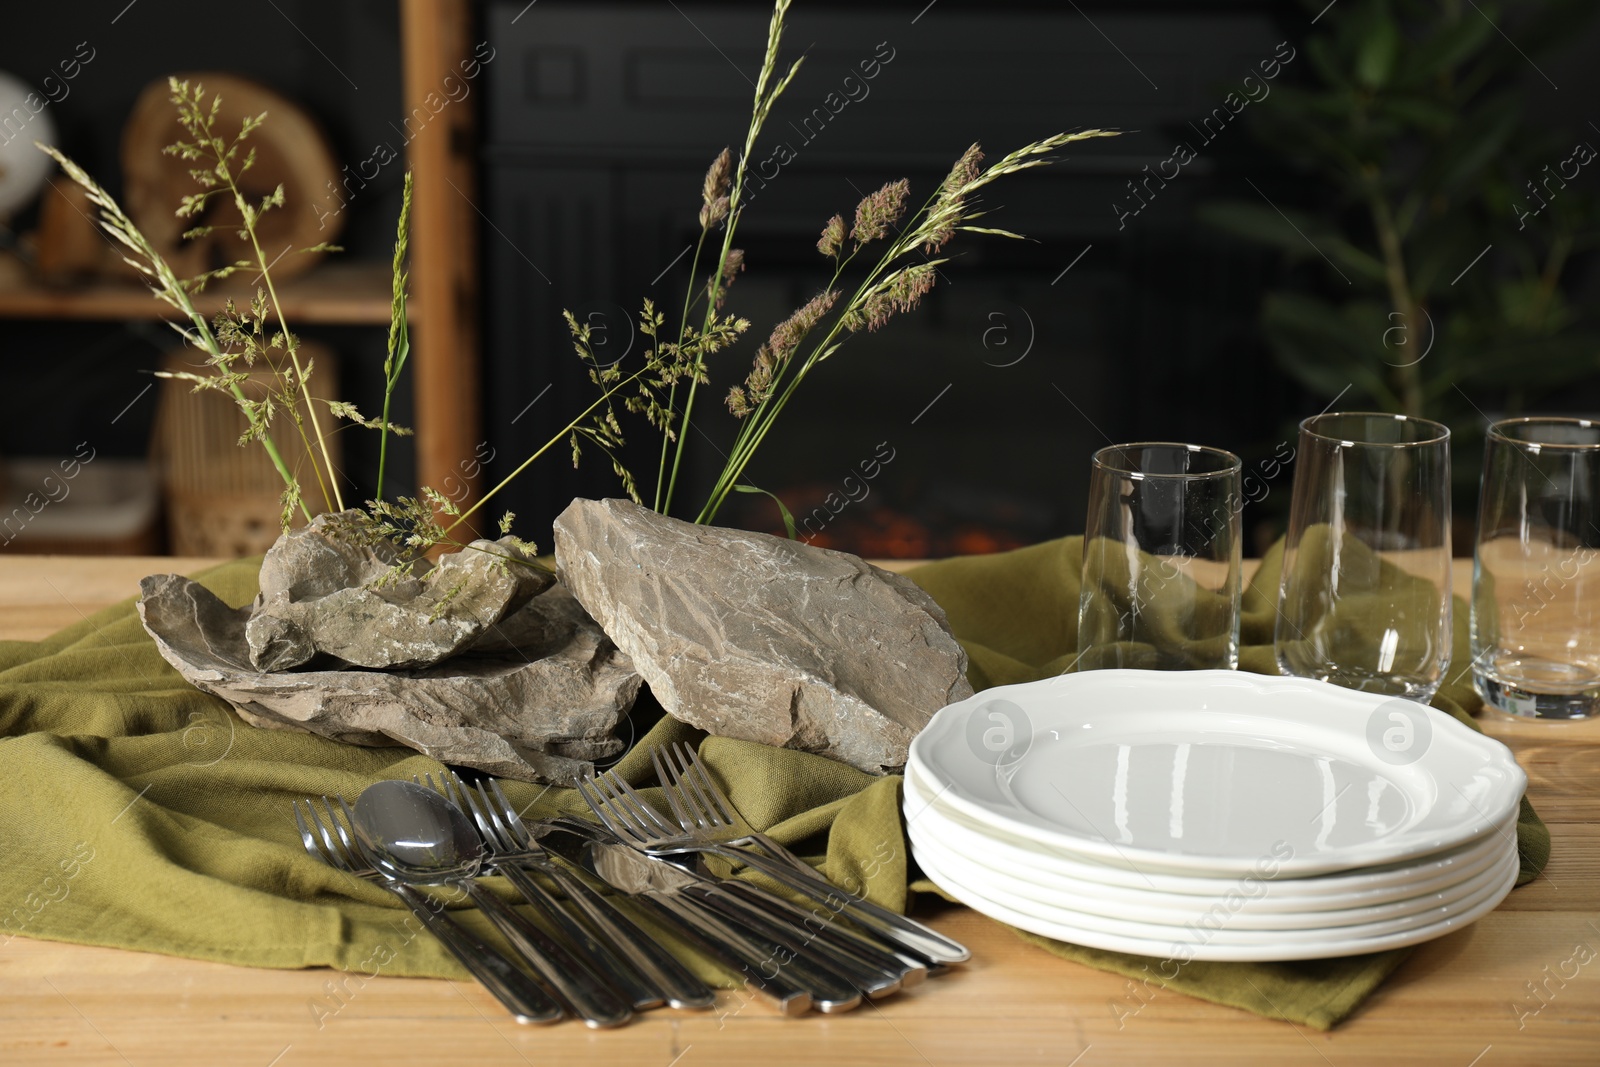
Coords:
1393,883
1026,824
1210,951
1245,918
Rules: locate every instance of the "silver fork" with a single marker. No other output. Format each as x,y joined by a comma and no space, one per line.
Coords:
650,973
590,954
527,1001
907,970
716,832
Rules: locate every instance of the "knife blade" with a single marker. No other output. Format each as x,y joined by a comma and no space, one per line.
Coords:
779,922
761,949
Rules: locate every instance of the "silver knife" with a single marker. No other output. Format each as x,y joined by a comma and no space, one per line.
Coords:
769,964
875,969
819,925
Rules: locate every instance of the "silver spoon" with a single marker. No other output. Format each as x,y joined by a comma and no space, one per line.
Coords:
417,836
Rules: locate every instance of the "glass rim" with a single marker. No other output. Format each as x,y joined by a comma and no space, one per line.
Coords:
1232,463
1497,432
1440,436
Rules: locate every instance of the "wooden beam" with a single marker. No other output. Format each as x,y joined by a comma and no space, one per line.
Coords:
436,40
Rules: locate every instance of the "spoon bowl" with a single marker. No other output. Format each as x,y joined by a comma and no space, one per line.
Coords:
416,834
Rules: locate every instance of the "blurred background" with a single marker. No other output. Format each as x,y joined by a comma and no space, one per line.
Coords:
1359,205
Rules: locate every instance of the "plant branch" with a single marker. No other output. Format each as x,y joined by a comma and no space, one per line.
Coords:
399,331
167,287
764,100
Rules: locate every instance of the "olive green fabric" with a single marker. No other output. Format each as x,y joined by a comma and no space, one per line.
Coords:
1017,615
1151,617
140,813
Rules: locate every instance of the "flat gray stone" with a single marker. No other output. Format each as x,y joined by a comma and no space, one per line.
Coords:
757,637
323,594
537,700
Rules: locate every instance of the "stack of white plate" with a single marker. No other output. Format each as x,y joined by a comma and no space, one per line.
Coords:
1213,815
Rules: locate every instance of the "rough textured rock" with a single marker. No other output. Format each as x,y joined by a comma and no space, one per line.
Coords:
537,700
752,636
319,594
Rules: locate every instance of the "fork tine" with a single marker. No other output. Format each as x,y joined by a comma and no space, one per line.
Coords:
705,813
513,820
355,849
599,803
455,791
669,786
328,841
613,804
687,782
502,828
345,847
308,840
723,804
632,812
487,828
649,814
442,786
450,787
320,842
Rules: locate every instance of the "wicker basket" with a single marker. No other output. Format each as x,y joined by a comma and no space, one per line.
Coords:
223,499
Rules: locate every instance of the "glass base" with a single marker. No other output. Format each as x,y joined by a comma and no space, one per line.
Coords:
1506,695
1406,687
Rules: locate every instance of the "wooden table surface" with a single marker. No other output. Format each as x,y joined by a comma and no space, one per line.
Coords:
1520,986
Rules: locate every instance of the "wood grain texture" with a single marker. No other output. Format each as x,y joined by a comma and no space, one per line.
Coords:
290,153
1504,991
436,37
337,293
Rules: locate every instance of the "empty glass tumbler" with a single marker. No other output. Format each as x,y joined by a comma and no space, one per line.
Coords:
1364,601
1161,559
1536,583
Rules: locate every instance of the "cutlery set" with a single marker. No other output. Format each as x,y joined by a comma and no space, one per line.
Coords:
587,958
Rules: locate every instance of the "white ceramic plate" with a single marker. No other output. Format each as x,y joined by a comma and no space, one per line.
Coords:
1284,946
1234,902
1218,927
1207,772
1027,861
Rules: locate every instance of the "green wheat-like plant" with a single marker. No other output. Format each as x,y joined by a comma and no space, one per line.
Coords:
674,365
894,283
177,292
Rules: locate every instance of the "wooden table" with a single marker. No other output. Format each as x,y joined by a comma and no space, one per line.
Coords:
1464,1000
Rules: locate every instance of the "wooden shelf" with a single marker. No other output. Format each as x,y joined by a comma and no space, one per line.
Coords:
334,294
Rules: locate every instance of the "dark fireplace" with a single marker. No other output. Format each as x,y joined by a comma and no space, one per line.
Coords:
966,426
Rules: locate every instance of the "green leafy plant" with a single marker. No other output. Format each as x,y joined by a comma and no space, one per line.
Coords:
1450,220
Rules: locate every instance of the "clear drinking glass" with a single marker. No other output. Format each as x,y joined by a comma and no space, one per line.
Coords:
1536,582
1161,559
1364,601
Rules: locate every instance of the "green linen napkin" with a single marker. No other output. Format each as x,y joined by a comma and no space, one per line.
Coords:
1017,615
143,814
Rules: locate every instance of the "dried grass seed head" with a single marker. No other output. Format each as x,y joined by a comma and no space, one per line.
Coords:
833,235
714,191
901,291
879,211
